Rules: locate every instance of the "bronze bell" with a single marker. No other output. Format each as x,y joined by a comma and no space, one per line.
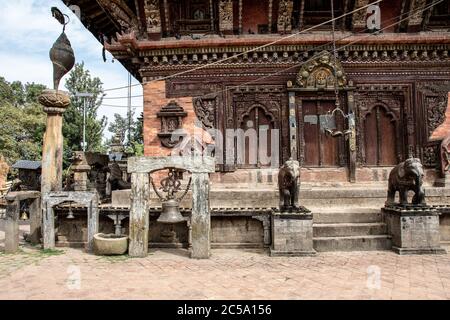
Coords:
24,216
170,212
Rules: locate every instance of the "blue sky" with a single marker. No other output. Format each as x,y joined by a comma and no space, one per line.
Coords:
27,32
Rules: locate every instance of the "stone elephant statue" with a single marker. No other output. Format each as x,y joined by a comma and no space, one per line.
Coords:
406,176
289,185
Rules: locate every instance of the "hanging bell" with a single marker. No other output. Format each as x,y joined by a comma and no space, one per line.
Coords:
170,212
70,215
24,216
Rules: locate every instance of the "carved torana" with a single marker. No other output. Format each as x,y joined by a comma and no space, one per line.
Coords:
321,73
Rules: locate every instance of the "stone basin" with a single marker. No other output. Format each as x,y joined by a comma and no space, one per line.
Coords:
110,244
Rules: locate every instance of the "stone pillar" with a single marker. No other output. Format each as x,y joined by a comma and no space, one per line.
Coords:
201,218
55,103
351,138
139,220
92,212
414,229
293,126
35,221
48,227
12,225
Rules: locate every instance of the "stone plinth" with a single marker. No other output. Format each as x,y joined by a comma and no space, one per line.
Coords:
414,229
292,233
54,104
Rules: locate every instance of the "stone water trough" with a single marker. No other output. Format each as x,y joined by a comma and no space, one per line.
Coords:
110,244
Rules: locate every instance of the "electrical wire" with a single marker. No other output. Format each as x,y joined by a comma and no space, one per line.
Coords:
250,50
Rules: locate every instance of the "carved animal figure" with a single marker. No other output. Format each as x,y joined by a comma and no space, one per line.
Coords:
406,176
289,184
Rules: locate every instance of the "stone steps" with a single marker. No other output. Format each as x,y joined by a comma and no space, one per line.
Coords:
348,229
352,243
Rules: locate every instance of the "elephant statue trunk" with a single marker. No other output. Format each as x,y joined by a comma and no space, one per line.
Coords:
406,176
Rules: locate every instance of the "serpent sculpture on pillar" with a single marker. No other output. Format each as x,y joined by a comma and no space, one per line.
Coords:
406,176
289,184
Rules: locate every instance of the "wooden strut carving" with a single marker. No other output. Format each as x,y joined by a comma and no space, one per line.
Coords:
121,13
205,110
226,15
284,15
153,16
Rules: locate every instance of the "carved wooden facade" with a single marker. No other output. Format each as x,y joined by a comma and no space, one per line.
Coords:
395,84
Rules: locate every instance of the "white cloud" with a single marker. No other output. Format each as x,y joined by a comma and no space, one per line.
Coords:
27,32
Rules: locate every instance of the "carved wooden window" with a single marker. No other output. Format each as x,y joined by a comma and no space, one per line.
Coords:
320,149
190,16
255,16
380,137
440,15
255,150
318,11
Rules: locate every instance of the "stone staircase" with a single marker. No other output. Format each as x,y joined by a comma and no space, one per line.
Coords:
349,229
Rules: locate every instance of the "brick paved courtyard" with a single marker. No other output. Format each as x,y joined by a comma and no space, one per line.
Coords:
229,274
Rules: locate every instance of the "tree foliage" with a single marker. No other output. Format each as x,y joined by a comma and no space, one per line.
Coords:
22,121
131,138
80,80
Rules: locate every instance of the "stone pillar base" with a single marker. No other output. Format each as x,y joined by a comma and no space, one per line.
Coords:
292,233
414,229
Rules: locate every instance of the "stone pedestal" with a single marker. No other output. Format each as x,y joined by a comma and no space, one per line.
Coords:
55,103
292,233
12,218
414,229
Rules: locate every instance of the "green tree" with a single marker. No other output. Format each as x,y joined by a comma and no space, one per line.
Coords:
80,80
23,121
120,127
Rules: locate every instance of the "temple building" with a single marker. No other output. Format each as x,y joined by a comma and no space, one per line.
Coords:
257,82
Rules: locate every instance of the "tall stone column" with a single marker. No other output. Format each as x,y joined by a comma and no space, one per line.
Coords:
54,103
201,219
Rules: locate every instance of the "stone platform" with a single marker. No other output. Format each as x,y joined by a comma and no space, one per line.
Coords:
292,233
414,229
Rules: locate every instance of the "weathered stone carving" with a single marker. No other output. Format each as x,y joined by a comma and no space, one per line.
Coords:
406,176
226,15
288,185
205,110
430,156
121,13
153,16
171,124
284,15
320,73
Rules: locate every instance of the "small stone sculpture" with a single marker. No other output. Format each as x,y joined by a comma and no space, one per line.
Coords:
406,176
289,184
